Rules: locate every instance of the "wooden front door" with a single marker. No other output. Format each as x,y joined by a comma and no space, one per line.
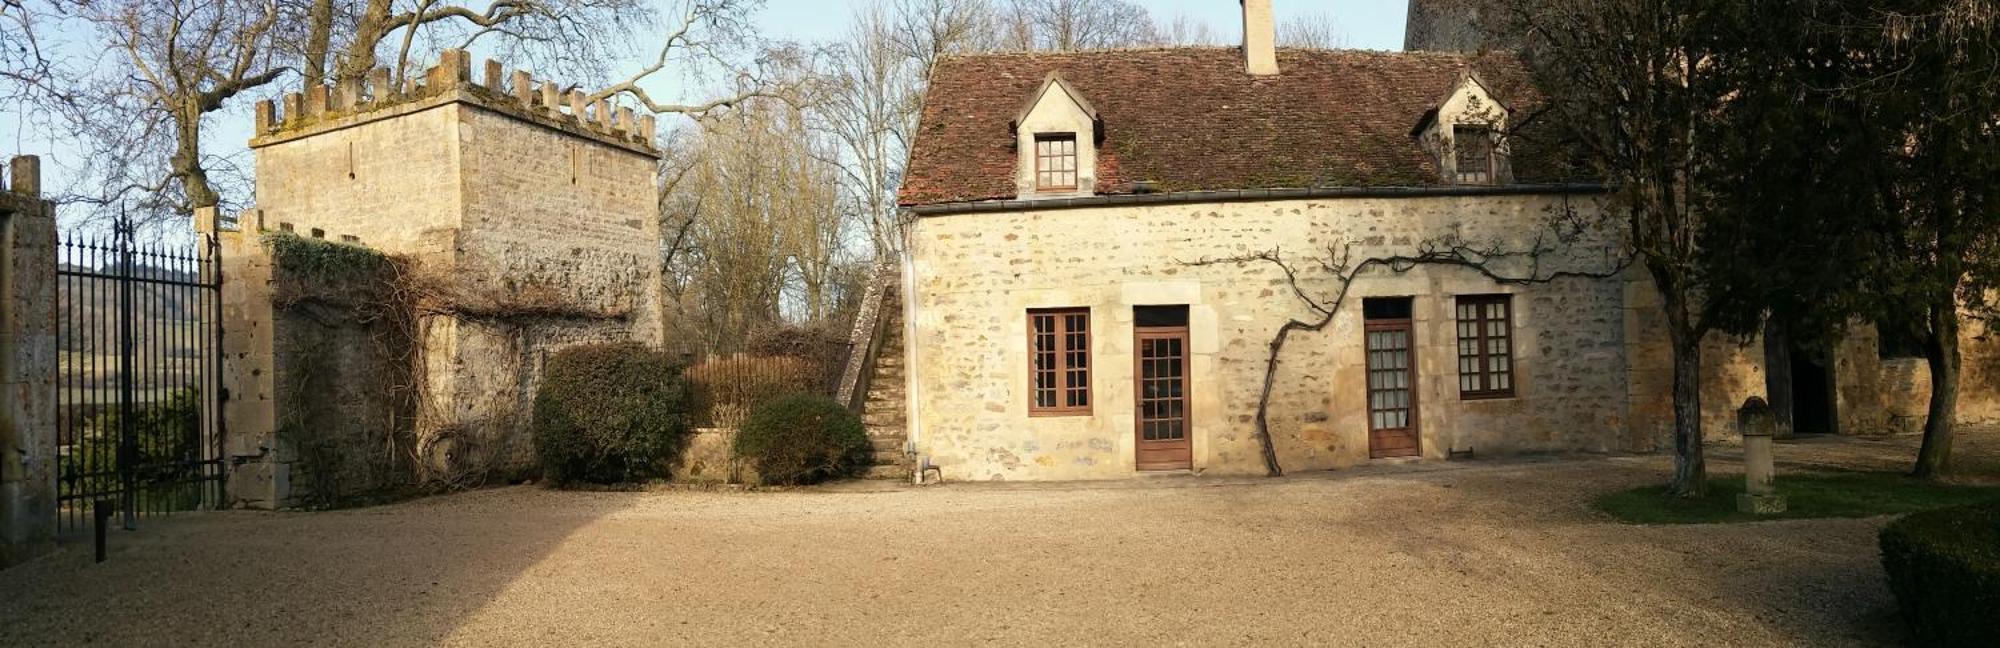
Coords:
1161,387
1392,397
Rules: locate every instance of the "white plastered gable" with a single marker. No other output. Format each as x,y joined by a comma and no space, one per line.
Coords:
1055,108
1470,103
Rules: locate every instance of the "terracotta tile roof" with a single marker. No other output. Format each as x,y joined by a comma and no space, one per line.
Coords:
1190,119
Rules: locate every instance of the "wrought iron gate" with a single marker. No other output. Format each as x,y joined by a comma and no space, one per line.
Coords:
139,393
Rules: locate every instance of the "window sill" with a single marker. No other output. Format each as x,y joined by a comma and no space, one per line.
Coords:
1058,413
1486,396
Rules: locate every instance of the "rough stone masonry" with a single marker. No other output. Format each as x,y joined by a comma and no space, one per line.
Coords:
27,364
530,215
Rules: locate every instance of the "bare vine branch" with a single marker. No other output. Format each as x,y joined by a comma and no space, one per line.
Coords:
1339,262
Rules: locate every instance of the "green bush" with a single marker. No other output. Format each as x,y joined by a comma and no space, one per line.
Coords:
167,442
802,438
608,414
1944,567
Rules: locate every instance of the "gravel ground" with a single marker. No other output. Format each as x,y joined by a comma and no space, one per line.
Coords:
1485,552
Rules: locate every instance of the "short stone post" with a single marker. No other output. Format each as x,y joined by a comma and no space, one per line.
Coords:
1757,423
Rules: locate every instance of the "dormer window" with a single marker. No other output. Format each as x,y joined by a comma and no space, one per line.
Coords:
1056,134
1055,162
1474,147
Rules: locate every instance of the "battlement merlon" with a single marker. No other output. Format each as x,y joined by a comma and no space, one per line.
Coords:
352,102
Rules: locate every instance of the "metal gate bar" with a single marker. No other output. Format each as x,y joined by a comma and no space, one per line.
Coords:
140,388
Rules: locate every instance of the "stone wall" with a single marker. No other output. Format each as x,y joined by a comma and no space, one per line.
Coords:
1593,366
1454,26
317,364
975,275
528,217
27,365
1906,382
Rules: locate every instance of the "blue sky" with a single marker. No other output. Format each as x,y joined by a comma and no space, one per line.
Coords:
1370,24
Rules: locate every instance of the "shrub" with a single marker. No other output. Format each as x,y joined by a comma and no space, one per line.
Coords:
609,413
802,438
166,439
728,388
822,342
1944,567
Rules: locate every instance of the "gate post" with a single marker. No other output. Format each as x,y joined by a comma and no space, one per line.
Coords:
27,365
256,470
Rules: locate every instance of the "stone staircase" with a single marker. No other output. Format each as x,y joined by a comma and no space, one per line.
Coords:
882,411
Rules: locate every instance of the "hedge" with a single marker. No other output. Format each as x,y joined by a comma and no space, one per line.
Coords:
1944,566
609,414
801,439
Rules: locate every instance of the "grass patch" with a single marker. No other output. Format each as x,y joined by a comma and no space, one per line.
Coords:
1807,495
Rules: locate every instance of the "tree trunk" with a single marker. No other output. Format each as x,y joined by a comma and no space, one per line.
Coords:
319,36
1778,374
186,160
368,33
1690,470
1941,353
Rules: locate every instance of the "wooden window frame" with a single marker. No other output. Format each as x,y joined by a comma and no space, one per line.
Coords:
1074,156
1484,134
1482,349
1063,364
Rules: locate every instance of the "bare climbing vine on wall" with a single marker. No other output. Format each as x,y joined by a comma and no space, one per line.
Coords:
396,301
1337,260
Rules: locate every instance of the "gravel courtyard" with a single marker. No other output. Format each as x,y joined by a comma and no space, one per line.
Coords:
1484,552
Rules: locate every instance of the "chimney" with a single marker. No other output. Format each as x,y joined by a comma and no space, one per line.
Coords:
1260,38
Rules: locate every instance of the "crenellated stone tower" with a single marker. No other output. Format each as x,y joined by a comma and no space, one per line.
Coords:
530,218
1454,26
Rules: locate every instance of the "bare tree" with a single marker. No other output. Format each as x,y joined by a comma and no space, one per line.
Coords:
1317,30
755,202
1183,30
178,61
573,37
1071,25
924,30
25,66
142,117
868,105
1623,86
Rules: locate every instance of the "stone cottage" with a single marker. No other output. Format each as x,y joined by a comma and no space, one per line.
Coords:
1104,245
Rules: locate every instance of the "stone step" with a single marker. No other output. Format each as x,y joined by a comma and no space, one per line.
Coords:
888,471
874,420
887,444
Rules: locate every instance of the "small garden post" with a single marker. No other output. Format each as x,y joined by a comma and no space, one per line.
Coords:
1757,424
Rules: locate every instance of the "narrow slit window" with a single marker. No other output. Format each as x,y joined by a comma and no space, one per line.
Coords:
1059,361
1055,162
1485,347
1474,145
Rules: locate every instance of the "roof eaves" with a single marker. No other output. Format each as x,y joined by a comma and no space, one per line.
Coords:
1242,195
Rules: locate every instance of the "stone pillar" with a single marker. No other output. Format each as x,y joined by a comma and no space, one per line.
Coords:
258,468
27,366
1757,424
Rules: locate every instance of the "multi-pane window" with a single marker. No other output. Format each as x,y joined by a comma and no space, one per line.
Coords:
1059,357
1485,347
1474,145
1055,162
